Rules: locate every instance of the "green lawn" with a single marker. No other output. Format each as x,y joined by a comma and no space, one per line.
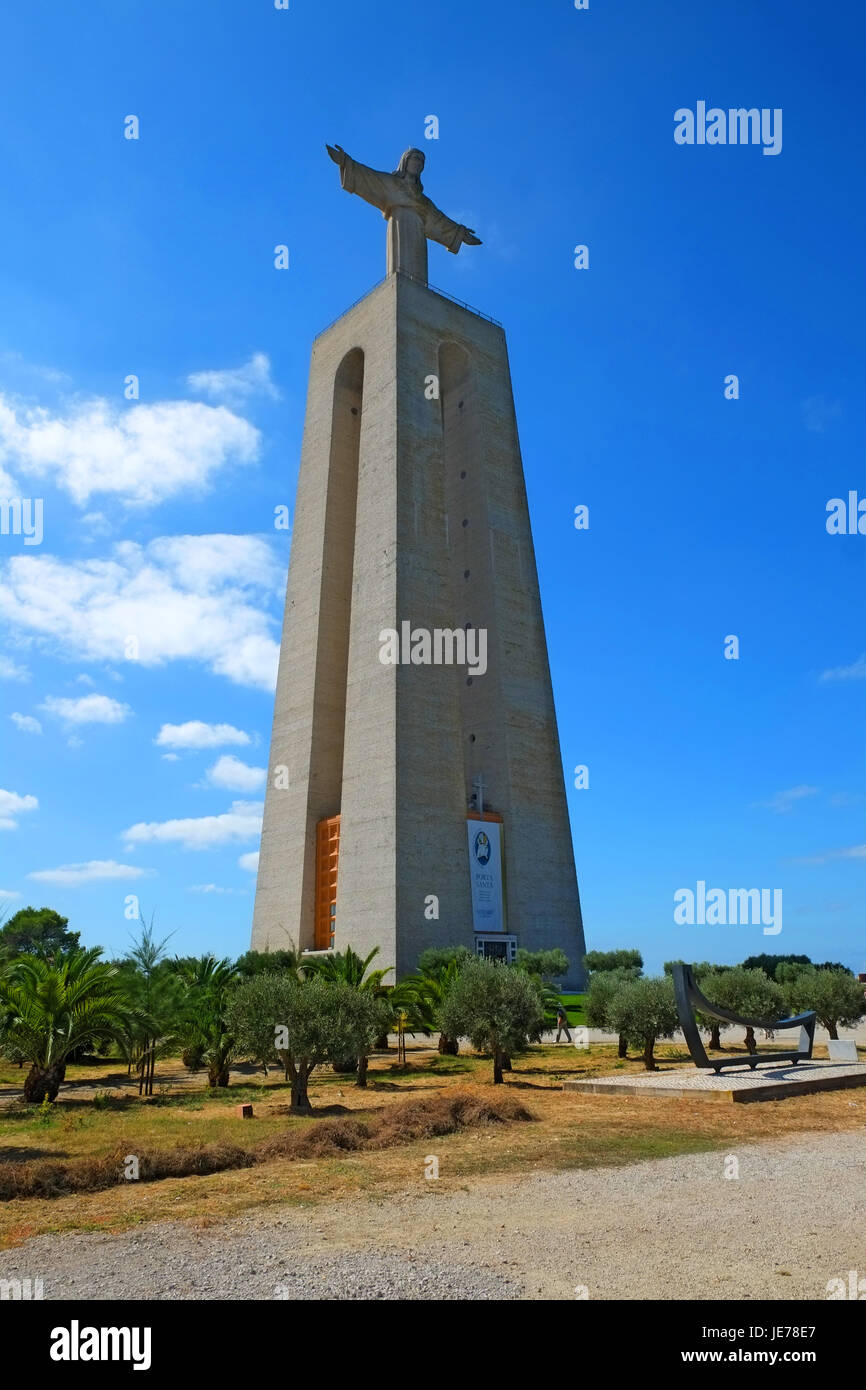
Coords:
574,1008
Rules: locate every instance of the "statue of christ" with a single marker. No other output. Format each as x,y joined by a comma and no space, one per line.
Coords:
412,217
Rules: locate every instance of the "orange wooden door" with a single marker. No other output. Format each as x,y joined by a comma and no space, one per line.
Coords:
327,855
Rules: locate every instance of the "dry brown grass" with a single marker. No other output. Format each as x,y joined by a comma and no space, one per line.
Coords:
50,1178
424,1117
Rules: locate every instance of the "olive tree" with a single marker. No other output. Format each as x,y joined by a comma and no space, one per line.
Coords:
303,1023
498,1008
837,998
707,977
614,960
547,965
644,1010
748,992
355,970
604,985
253,1010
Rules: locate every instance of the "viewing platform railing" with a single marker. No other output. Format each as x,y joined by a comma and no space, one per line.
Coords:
433,290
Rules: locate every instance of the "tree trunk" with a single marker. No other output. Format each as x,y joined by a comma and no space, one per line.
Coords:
649,1060
218,1075
362,1072
750,1039
381,1043
497,1067
43,1083
832,1029
506,1061
300,1099
715,1037
623,1050
448,1047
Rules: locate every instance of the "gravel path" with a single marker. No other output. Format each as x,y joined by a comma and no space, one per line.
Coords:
671,1228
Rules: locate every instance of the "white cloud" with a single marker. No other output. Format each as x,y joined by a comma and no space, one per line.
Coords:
86,709
213,888
852,852
12,805
6,895
196,734
94,871
26,723
8,486
250,862
234,385
97,523
855,672
16,360
142,454
183,598
242,822
11,671
235,776
170,757
783,801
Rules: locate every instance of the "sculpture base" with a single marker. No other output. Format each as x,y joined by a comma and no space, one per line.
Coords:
769,1082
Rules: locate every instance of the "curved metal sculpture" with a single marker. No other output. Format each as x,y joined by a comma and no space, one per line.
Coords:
689,998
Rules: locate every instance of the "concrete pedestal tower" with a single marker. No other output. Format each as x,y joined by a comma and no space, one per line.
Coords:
415,790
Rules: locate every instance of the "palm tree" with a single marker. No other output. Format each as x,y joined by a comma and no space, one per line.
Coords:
205,1031
428,990
155,990
351,969
48,1008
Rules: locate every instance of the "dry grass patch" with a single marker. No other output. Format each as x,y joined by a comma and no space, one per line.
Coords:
49,1178
424,1117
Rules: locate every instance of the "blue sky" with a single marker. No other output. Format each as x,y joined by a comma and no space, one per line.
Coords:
707,516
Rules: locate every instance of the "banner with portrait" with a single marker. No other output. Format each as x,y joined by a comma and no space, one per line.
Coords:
485,872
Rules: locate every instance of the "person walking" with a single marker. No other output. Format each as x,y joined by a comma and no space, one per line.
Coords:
562,1022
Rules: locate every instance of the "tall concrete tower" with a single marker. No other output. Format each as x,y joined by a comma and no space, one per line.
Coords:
415,789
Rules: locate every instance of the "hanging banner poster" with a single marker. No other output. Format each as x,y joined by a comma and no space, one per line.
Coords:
485,872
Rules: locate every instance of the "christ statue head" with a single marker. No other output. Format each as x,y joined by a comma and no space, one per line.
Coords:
412,161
